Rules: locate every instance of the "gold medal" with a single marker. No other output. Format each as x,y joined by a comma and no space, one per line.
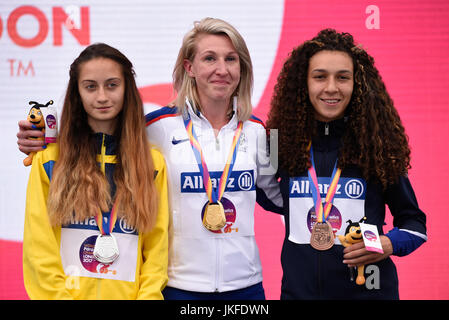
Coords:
322,237
214,216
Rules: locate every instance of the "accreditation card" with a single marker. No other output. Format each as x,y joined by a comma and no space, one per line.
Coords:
371,237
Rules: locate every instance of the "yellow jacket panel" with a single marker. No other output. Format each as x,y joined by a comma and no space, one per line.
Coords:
48,275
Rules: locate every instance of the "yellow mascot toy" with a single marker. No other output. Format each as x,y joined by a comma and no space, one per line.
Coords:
353,234
36,117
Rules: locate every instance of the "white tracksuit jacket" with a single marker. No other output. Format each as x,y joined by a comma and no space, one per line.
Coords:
201,260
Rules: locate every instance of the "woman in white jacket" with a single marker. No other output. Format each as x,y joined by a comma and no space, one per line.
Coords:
210,130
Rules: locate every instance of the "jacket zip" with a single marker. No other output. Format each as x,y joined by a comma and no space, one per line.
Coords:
217,264
326,158
103,153
319,276
103,169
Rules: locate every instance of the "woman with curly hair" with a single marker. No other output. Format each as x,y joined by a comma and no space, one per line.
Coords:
340,139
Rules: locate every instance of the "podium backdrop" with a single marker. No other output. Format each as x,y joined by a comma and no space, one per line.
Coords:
408,39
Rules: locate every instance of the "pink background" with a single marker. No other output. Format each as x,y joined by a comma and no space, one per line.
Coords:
410,49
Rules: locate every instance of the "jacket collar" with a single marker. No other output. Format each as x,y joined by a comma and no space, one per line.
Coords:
335,128
328,135
199,120
106,140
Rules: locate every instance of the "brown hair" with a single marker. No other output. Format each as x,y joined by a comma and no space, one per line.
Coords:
374,139
78,188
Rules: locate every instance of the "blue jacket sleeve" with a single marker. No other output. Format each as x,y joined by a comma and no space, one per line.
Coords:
268,205
409,220
404,242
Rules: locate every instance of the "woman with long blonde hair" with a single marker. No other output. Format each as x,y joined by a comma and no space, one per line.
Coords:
97,214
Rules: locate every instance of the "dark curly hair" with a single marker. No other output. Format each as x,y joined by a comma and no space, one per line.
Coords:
374,139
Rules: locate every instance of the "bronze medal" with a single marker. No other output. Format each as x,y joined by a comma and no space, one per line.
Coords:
214,216
322,237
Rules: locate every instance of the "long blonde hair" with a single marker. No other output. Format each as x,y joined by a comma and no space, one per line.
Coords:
78,188
185,85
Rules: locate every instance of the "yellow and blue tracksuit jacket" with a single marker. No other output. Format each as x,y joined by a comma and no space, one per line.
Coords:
56,261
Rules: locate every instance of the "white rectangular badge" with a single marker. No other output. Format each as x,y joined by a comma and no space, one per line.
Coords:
77,246
349,204
371,238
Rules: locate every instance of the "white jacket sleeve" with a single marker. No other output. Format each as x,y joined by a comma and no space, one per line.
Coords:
267,187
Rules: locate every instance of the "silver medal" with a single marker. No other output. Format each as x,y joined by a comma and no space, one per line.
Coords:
106,249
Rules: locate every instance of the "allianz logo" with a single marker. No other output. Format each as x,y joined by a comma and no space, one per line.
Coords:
238,181
352,188
90,223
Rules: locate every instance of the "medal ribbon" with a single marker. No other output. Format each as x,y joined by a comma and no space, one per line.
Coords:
321,212
106,225
213,195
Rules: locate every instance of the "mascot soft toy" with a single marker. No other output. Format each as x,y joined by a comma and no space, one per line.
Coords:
36,117
353,234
